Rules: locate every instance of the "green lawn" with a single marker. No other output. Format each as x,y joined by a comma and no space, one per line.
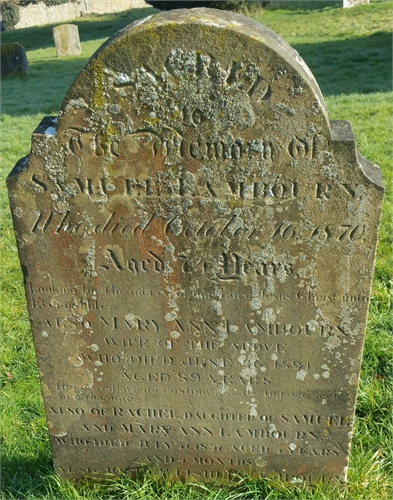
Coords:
349,52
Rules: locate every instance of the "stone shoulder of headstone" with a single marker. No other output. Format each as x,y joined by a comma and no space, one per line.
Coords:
66,37
197,241
342,133
13,59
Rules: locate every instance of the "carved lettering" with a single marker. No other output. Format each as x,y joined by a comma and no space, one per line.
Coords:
197,242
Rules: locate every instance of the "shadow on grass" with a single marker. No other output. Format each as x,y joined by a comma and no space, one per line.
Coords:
43,90
361,65
23,476
303,7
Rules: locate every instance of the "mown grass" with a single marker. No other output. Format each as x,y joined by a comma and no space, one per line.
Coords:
349,52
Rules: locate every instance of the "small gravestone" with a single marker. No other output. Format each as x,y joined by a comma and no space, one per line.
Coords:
354,3
197,241
13,60
67,42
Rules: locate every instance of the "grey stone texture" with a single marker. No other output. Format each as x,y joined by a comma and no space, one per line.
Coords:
66,37
13,60
197,241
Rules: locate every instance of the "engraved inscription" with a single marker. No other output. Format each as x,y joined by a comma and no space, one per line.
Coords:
197,243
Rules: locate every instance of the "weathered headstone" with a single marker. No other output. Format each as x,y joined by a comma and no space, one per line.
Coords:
66,37
13,60
197,241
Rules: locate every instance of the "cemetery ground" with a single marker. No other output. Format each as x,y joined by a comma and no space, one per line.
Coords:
349,53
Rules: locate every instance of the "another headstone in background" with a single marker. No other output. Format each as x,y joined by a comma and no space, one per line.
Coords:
354,3
282,4
197,241
67,41
13,60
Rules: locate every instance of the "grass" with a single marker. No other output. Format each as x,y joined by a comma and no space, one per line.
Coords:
349,52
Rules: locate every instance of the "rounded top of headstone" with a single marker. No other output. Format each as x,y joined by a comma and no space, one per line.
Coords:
201,74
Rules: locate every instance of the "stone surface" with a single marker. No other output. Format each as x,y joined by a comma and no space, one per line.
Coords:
66,37
197,241
13,60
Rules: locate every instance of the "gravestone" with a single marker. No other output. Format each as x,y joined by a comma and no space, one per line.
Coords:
282,4
354,3
66,37
197,242
13,60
